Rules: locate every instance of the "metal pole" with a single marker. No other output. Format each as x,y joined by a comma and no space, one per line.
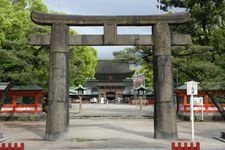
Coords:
60,6
202,101
177,78
192,118
159,6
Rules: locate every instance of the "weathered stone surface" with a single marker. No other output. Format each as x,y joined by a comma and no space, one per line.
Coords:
180,39
137,40
110,34
58,94
76,20
161,39
94,40
23,116
40,39
165,124
97,40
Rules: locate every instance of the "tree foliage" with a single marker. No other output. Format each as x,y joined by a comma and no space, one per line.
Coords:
20,62
141,57
83,60
23,63
206,16
204,59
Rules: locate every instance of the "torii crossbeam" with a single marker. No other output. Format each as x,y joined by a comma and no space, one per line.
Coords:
165,126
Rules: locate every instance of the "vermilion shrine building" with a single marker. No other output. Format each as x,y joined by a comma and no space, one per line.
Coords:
21,99
209,109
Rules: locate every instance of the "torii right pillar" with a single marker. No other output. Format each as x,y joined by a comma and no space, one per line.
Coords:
165,123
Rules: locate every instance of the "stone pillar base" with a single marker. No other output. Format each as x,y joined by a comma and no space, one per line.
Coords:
166,126
57,136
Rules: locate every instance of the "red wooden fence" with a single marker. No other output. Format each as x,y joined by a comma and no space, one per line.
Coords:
185,146
9,146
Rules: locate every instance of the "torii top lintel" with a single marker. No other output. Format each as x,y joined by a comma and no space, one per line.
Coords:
80,20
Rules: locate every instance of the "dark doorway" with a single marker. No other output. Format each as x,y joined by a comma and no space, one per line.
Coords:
111,96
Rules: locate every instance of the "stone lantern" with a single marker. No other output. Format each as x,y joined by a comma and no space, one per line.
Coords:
140,93
80,92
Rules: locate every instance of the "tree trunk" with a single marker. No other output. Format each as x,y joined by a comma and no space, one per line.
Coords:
218,105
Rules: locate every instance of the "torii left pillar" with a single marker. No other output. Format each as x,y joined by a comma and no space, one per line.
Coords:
58,108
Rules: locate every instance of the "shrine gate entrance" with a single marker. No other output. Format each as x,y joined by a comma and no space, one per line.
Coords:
57,123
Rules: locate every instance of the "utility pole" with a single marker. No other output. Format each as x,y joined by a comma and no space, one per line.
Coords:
60,6
159,6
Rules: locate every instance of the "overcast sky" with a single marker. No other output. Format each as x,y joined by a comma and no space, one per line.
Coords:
106,7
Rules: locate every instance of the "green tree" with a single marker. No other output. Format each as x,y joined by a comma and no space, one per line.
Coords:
23,63
83,60
20,62
203,59
206,15
140,56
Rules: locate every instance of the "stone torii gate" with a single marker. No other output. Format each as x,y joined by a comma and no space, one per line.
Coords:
165,125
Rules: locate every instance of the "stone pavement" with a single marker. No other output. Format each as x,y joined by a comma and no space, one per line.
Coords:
111,111
110,133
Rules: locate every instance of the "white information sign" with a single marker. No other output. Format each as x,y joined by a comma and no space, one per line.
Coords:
192,88
197,100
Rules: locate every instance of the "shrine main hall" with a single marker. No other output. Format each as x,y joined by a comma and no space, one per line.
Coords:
112,81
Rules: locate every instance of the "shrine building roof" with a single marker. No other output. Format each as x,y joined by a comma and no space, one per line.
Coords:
3,86
112,67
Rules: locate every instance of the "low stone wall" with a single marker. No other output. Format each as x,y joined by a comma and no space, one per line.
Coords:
209,116
23,116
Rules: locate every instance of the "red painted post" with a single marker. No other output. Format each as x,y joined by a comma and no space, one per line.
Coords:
185,146
179,146
15,146
10,147
173,145
2,147
197,146
22,146
191,146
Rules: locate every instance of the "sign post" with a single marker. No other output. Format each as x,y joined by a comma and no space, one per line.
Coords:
202,102
199,101
192,89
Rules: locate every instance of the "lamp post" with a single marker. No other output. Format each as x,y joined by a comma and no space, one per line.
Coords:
140,92
80,91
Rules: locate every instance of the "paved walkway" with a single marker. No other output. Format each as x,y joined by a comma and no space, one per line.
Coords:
111,111
107,133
